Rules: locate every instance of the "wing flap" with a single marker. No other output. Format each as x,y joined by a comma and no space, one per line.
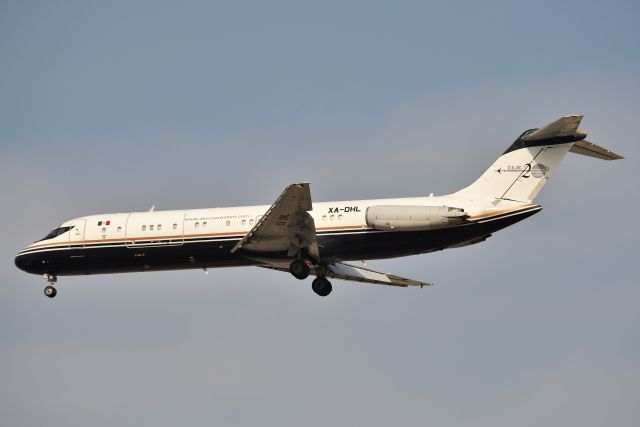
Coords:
349,272
360,274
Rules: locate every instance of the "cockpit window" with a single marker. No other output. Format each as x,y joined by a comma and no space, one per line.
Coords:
56,232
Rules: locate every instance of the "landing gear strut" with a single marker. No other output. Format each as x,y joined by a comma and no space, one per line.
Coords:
299,269
50,291
321,286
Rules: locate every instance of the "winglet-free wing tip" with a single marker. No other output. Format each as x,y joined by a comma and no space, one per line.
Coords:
401,281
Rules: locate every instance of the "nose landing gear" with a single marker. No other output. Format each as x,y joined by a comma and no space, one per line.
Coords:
50,291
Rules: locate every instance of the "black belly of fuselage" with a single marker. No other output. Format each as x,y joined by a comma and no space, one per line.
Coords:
337,246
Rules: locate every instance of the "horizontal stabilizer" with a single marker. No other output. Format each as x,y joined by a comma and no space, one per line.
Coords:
590,149
564,126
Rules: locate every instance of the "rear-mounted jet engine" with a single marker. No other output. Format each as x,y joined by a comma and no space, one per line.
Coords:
413,218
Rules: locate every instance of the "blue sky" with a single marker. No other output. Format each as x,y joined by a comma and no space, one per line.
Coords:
113,107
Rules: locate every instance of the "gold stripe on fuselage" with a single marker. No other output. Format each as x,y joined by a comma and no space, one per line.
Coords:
177,236
496,212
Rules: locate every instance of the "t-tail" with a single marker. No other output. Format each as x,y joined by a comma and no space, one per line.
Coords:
521,172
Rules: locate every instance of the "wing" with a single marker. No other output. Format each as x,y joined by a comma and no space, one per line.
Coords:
285,227
350,272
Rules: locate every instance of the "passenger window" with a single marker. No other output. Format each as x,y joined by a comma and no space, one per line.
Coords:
251,222
159,227
119,228
104,229
144,228
332,217
244,222
175,226
228,223
324,217
197,225
151,227
339,217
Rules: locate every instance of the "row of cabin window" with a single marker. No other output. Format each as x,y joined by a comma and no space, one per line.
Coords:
196,225
159,227
227,223
104,229
144,228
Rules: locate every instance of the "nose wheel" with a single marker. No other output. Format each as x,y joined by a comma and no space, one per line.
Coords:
50,291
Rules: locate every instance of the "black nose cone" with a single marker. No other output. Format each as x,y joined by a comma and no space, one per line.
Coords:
24,263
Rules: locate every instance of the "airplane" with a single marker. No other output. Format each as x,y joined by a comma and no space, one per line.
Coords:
303,238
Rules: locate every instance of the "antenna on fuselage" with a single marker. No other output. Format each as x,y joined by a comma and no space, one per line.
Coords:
152,208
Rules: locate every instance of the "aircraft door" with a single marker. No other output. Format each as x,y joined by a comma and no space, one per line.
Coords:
76,234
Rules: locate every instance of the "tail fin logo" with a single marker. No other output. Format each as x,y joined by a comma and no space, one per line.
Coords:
538,170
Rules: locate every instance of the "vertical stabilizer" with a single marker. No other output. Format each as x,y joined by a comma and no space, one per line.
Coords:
521,172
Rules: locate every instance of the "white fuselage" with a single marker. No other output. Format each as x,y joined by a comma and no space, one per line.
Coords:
172,227
305,238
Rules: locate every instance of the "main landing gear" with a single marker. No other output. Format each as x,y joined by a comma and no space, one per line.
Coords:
320,285
299,269
50,291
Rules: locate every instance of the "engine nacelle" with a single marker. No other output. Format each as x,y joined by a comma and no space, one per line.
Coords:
413,218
